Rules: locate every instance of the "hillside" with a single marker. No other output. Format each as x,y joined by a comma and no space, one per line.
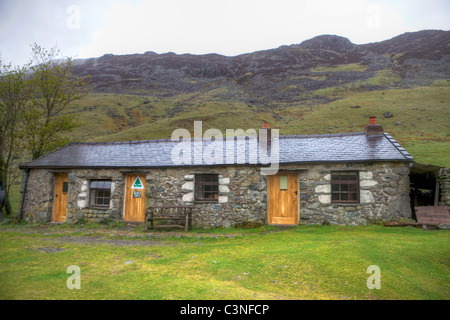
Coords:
323,85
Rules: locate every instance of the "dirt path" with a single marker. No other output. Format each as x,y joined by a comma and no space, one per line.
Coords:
130,234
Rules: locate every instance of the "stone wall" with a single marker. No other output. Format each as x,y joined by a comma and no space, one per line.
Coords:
38,202
242,195
444,181
78,206
384,194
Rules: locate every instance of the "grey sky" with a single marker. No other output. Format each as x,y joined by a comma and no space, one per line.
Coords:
91,28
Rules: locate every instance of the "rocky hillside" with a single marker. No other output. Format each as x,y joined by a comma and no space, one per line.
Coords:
301,73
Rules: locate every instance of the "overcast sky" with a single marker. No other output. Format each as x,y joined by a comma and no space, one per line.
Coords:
92,28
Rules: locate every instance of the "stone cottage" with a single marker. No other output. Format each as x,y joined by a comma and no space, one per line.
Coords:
346,179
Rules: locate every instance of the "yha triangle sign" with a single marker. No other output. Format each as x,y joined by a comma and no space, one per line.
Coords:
137,184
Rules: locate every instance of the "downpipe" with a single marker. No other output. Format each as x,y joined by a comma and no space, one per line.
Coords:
24,190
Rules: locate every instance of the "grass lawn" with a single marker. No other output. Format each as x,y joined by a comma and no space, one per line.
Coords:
304,262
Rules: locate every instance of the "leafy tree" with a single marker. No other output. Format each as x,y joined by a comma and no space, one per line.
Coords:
32,104
53,87
14,92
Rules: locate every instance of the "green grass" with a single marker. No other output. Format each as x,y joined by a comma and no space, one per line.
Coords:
383,78
111,117
305,262
15,196
351,67
430,152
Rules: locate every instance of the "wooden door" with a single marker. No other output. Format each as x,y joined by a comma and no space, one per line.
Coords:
135,197
60,199
283,199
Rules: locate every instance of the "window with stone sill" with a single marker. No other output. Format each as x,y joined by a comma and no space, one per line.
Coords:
99,193
345,187
206,187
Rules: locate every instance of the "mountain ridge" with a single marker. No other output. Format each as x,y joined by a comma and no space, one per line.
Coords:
287,74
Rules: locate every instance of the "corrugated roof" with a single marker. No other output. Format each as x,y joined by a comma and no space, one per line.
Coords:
345,147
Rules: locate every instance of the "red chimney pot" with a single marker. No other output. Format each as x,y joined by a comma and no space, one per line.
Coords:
373,128
265,125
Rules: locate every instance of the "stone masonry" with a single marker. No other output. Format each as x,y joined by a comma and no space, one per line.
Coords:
444,181
384,195
242,199
242,196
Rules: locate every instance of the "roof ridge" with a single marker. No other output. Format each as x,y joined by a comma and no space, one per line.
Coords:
122,142
328,135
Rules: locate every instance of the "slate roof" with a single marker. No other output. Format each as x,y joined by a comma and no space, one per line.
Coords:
345,147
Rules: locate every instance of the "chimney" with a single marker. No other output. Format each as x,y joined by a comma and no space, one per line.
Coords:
268,130
373,128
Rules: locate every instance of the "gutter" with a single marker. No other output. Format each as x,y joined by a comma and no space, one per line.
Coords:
24,190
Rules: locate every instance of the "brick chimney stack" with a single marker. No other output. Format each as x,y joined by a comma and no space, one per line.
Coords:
373,128
268,130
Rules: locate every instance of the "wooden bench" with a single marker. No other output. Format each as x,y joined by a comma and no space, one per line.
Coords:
183,214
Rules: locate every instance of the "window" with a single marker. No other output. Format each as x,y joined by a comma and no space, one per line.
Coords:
206,187
65,187
100,193
283,183
345,187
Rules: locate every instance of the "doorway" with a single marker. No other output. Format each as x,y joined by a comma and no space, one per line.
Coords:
283,199
60,199
135,197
